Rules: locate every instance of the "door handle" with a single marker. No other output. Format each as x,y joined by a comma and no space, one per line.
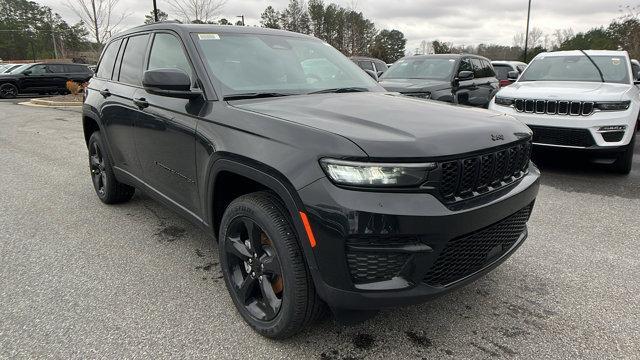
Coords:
141,103
105,93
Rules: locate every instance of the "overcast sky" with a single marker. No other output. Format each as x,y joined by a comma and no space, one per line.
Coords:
474,22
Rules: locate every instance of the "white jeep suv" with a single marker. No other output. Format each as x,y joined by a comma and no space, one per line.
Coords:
586,100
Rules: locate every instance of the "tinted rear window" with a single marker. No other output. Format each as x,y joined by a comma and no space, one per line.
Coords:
132,60
77,69
105,67
502,71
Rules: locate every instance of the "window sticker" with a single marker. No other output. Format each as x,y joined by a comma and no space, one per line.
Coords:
208,36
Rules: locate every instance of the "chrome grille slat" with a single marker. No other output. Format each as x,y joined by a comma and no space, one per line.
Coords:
554,107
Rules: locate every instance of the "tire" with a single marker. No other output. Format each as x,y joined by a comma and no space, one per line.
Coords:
8,91
298,305
625,159
108,189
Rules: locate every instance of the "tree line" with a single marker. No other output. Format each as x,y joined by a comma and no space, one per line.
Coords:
31,31
622,33
348,30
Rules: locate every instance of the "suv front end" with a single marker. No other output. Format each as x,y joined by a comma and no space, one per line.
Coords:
381,246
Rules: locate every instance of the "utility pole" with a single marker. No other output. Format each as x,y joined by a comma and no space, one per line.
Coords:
155,11
242,17
526,35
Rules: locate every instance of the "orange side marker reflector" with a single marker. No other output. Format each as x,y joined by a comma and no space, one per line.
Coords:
307,228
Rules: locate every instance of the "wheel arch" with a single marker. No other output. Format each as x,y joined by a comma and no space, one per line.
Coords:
245,176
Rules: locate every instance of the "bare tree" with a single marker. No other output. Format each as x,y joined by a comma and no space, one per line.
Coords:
198,11
99,16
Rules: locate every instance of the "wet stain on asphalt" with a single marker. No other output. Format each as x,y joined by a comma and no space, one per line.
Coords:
419,340
171,233
363,341
207,267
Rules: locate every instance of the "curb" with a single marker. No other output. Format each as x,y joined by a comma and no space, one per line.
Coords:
41,102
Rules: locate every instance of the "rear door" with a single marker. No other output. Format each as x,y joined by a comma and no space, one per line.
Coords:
165,129
56,77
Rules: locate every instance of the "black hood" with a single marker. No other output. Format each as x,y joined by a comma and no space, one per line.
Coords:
394,126
414,85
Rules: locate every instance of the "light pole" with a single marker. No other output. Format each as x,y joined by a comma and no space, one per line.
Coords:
526,35
242,17
155,11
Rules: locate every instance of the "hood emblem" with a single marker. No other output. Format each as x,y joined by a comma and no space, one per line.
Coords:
497,137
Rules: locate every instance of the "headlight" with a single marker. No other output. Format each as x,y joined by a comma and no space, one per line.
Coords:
504,101
376,174
613,105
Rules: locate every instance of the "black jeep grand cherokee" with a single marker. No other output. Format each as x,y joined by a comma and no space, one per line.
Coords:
321,187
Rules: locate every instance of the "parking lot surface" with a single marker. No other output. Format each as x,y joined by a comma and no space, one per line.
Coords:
79,279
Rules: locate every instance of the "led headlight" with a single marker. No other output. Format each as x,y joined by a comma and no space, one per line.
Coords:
613,105
504,101
366,174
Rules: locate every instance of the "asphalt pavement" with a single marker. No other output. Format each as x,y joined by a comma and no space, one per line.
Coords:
79,279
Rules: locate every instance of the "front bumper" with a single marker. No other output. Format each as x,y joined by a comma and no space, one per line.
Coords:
563,128
377,250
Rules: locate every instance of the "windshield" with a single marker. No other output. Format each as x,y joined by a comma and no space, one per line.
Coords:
577,68
19,69
255,63
421,68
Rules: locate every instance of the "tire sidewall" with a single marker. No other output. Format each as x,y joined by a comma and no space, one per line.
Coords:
250,210
108,188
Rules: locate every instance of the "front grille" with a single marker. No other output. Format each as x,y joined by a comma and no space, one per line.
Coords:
562,136
613,136
465,178
470,253
554,107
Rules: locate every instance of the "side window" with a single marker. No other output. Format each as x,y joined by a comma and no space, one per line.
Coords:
488,69
38,70
105,67
367,65
380,66
76,69
58,69
167,53
132,60
478,71
465,65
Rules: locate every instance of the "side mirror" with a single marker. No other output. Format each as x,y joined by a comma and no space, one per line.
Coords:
169,82
372,74
465,75
26,72
380,73
513,75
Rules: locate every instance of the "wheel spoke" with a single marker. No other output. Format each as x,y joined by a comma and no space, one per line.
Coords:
271,265
270,300
245,289
253,232
94,161
236,247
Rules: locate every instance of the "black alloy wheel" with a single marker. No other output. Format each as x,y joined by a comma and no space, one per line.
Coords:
8,91
254,269
97,166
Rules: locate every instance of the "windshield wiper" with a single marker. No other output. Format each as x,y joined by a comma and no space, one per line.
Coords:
254,95
594,64
340,90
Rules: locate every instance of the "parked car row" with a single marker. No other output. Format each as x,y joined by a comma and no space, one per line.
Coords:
41,78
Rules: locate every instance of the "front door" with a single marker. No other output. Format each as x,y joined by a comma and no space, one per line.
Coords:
165,130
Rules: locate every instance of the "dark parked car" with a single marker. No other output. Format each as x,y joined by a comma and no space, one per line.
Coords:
377,66
41,78
460,79
505,68
320,190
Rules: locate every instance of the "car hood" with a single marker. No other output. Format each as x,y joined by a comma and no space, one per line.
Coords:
566,90
413,85
387,125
